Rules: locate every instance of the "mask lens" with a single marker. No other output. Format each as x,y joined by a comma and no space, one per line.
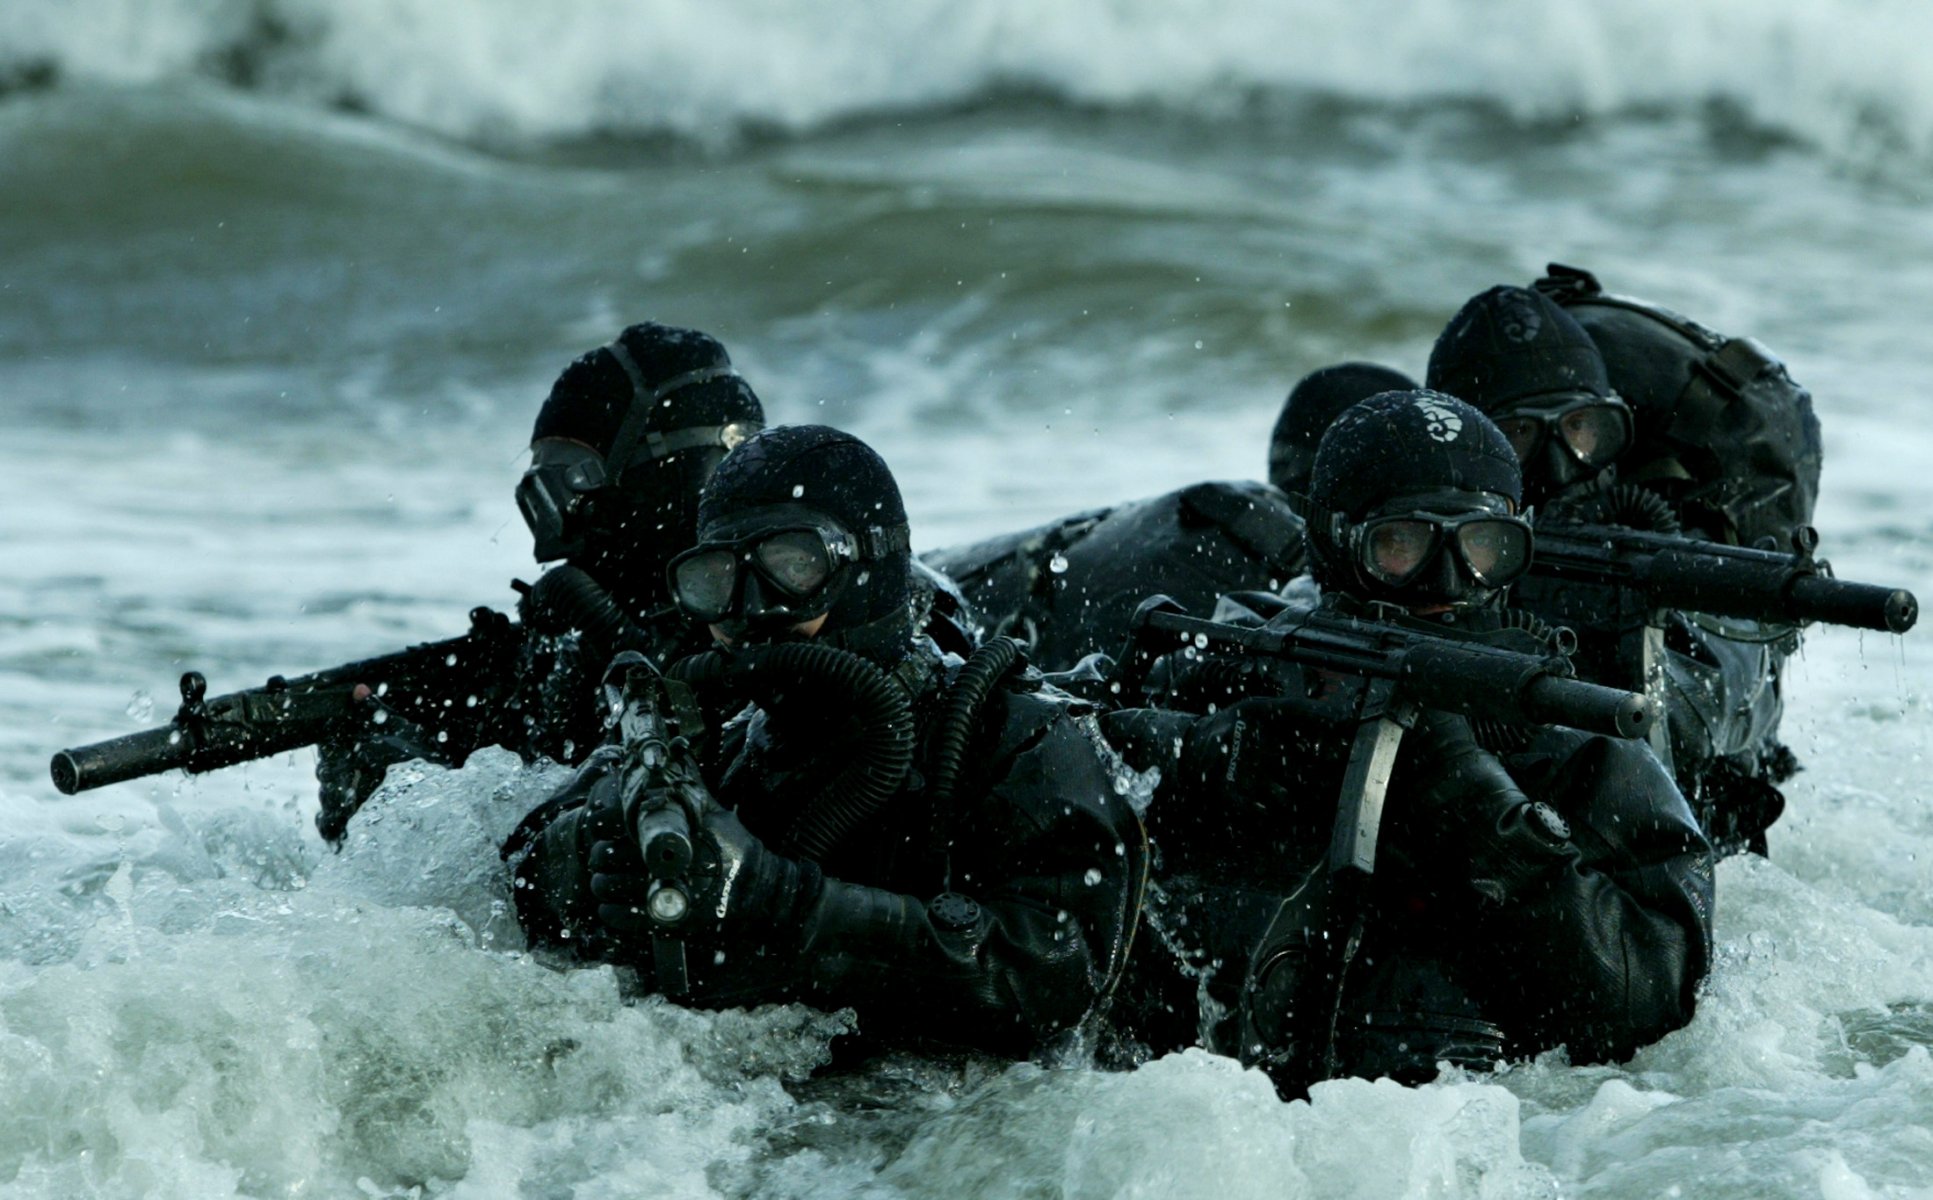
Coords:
796,561
1396,550
705,583
1523,432
1595,433
1495,551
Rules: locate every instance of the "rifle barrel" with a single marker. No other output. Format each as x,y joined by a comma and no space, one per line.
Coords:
1552,700
1859,605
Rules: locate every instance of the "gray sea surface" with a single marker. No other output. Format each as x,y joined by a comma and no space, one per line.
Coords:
283,283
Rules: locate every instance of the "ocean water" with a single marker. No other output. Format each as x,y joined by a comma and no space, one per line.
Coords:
282,283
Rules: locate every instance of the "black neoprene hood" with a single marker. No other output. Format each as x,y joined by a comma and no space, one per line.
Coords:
1512,344
1313,405
592,398
1414,441
790,468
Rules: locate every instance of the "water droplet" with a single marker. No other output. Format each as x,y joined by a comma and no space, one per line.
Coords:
379,717
470,702
1093,876
1201,641
798,489
442,735
451,660
1058,564
1197,343
141,706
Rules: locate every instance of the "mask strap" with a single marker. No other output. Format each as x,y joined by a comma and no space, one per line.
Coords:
877,543
644,401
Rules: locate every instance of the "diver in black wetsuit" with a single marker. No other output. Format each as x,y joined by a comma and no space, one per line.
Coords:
1314,403
1533,888
628,435
1522,359
984,896
1721,429
1067,588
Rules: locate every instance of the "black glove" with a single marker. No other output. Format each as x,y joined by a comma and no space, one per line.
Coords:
736,886
1467,813
351,765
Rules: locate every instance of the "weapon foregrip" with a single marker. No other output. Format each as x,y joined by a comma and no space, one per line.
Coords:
1594,708
1859,605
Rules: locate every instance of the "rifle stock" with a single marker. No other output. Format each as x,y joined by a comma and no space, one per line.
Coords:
208,734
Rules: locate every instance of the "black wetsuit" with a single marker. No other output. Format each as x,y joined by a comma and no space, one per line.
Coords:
998,932
1567,901
1066,589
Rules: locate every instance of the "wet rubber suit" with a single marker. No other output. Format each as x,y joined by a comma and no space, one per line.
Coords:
620,449
1067,588
1727,436
1532,888
1512,351
996,919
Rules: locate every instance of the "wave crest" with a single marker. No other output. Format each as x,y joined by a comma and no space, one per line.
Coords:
503,71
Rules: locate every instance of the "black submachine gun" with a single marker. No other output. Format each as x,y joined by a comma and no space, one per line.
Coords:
663,797
1657,571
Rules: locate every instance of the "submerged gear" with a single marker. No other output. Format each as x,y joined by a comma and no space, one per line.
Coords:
1313,405
1512,350
1387,455
1722,429
1067,589
790,476
795,564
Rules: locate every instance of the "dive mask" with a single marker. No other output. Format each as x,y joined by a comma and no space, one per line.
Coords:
1398,548
792,566
1594,430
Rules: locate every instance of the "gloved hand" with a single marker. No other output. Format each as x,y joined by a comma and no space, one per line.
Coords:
736,886
351,765
1464,809
1253,747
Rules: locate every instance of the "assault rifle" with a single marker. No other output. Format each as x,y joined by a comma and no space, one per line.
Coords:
1657,571
451,685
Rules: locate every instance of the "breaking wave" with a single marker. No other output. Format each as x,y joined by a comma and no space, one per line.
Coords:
1836,73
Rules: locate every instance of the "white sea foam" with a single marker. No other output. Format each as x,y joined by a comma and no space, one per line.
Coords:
1825,70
